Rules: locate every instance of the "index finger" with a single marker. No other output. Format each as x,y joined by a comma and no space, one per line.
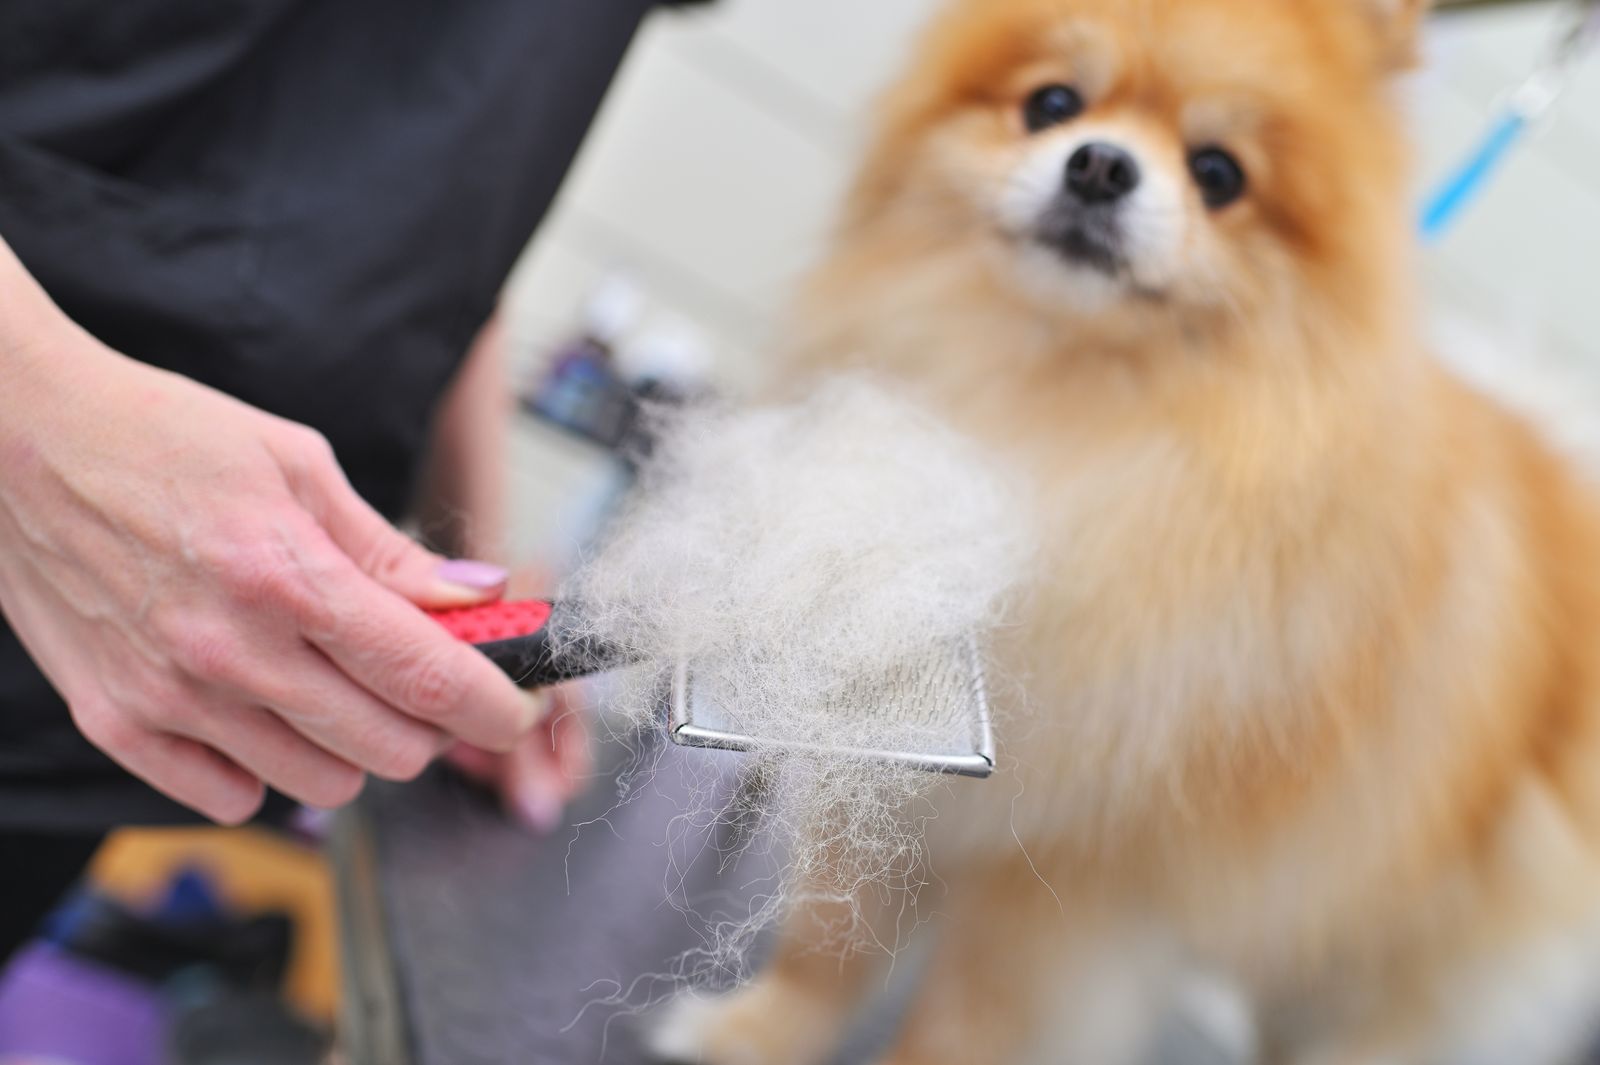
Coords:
395,651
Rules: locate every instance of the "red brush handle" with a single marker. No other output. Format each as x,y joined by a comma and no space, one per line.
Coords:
493,622
515,636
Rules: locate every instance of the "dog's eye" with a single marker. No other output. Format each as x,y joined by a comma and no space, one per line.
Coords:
1219,176
1051,106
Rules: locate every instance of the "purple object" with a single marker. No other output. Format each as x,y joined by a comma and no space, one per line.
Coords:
59,1008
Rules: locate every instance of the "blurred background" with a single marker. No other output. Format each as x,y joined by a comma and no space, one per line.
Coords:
706,188
713,173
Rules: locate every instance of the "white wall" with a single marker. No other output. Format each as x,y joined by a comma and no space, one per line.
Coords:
723,148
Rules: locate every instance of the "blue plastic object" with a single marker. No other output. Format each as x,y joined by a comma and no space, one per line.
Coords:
1462,186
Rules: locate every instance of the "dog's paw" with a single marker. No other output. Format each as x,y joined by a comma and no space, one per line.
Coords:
766,1023
678,1034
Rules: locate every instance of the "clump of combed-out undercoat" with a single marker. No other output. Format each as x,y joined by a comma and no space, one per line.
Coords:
786,552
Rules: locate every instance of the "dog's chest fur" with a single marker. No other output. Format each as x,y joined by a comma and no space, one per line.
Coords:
1220,679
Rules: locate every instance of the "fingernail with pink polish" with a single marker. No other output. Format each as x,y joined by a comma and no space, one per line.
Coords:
469,573
540,810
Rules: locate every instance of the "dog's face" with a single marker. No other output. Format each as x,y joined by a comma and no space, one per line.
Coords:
1120,156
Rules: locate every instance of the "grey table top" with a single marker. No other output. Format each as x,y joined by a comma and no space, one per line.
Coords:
469,941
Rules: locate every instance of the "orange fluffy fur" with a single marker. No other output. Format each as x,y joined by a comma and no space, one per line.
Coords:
1311,665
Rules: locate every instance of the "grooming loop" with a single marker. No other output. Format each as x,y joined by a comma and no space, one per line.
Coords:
933,702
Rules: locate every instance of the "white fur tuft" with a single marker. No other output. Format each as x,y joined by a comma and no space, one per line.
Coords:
786,553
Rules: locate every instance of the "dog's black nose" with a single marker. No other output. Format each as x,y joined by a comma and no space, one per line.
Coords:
1101,173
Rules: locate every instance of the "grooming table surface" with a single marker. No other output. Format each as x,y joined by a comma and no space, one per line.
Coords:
470,942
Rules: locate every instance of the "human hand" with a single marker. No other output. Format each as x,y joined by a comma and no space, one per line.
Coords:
216,605
537,778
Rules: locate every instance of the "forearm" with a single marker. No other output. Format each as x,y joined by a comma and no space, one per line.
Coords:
462,508
27,314
45,358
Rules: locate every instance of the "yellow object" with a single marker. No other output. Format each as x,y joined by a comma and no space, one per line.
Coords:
255,871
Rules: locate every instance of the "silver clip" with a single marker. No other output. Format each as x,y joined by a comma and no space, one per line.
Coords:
1534,98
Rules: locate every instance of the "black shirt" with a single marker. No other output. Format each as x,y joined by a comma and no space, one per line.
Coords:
309,204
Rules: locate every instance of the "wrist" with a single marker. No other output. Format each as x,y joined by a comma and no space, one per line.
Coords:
51,369
44,364
27,314
42,351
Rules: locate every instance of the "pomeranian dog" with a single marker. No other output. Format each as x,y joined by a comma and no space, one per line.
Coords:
1312,658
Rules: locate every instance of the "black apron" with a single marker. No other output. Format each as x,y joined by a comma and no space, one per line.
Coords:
309,204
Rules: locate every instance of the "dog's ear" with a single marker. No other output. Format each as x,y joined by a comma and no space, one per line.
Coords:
1398,26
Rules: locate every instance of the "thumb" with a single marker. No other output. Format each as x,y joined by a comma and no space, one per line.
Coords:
383,552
